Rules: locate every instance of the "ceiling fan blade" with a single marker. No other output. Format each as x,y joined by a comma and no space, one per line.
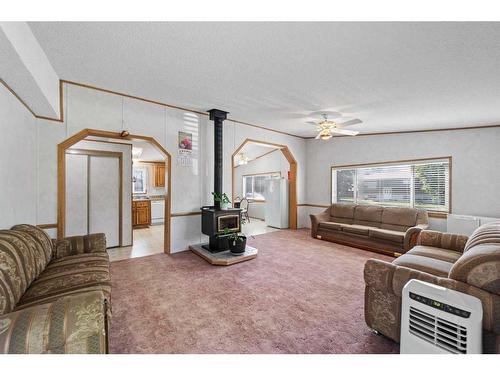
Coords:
350,122
317,137
311,122
345,131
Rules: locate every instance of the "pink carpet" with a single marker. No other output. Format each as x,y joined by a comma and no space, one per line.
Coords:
300,295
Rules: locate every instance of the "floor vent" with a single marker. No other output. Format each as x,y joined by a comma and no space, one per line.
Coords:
439,320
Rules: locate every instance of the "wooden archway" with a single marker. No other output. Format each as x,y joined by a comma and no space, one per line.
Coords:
61,176
292,197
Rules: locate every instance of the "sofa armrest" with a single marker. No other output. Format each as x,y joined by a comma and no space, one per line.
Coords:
91,243
384,288
75,324
385,276
449,241
318,218
411,236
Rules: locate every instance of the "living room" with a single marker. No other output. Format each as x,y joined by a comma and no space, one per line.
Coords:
203,188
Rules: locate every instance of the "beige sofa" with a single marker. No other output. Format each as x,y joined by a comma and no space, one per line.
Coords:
468,265
54,296
388,230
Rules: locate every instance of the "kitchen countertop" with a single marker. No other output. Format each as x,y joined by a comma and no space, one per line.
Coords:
149,198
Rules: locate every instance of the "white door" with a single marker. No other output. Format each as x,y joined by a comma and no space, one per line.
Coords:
104,198
93,197
76,195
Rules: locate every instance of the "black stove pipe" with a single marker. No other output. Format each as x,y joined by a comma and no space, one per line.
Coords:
218,117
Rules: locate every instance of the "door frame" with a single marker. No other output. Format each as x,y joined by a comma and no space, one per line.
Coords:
109,154
61,176
292,196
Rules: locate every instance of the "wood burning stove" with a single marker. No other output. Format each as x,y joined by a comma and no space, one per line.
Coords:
215,222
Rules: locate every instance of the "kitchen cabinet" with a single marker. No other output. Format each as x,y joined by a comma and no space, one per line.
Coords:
159,175
141,213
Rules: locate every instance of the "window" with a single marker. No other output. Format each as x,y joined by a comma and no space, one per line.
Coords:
421,184
254,185
139,181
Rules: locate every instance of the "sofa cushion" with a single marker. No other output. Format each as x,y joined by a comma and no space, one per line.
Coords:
329,225
403,216
356,229
342,210
389,235
69,275
435,253
368,215
342,213
434,267
19,266
75,324
40,237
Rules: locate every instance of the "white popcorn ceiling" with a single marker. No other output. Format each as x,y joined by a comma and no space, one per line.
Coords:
392,76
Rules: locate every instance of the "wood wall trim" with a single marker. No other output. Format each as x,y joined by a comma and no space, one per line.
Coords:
312,205
179,214
388,162
68,82
61,177
433,214
292,195
260,174
47,226
417,131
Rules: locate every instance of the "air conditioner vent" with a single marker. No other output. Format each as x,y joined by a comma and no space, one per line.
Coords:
440,332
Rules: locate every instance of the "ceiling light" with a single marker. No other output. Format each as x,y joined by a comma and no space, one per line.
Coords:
242,159
136,153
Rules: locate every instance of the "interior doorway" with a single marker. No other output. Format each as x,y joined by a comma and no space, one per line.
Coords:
261,168
135,207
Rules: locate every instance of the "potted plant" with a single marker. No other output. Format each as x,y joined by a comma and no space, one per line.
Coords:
223,199
237,241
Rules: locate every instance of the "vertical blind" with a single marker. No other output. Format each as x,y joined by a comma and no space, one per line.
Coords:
416,184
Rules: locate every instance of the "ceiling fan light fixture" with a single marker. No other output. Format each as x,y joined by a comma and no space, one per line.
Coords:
326,136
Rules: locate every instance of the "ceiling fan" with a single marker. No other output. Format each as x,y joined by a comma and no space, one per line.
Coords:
326,127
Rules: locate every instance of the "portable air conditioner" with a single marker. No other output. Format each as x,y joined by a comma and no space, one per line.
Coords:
439,320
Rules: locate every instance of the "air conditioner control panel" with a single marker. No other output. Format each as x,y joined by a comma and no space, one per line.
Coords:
440,305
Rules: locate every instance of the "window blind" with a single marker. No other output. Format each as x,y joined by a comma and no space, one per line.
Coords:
416,184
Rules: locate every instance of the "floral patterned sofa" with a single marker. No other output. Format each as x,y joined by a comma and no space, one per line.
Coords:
54,295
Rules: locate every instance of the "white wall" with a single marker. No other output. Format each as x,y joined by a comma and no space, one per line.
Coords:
18,196
84,108
475,162
273,162
27,69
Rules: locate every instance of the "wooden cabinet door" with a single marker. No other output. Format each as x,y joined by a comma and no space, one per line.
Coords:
142,216
134,213
159,175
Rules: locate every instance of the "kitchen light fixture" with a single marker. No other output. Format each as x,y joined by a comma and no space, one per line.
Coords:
242,159
136,153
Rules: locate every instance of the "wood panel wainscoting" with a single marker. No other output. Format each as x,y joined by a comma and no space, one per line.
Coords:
292,177
61,176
